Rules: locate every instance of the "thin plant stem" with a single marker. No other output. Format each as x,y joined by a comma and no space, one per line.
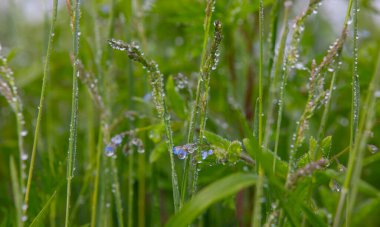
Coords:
156,80
42,98
117,194
256,214
279,61
74,111
188,171
209,65
130,188
354,124
141,194
273,66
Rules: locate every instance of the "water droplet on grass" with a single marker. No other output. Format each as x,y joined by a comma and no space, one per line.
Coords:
372,148
24,218
117,139
24,133
109,151
182,154
24,156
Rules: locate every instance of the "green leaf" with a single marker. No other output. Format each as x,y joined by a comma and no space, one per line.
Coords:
176,101
312,146
210,195
234,151
217,140
266,158
37,220
326,146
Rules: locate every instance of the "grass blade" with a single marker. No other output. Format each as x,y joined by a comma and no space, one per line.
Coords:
210,195
38,219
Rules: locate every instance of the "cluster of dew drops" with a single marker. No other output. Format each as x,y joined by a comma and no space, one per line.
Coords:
116,141
184,150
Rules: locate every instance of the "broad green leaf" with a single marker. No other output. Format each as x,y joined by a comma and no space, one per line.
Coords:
210,195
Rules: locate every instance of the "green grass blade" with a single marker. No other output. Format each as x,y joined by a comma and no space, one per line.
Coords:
38,219
16,191
210,195
74,110
42,98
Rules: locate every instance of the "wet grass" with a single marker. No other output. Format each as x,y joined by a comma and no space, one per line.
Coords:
258,113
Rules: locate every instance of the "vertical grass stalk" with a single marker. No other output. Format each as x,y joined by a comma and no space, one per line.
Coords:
210,64
352,162
42,98
256,215
156,80
74,110
188,171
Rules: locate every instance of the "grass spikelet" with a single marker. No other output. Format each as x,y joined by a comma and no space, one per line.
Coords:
156,80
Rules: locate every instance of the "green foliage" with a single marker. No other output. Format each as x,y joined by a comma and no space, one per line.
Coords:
259,113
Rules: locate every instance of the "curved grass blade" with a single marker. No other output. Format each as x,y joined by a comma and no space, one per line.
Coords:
210,195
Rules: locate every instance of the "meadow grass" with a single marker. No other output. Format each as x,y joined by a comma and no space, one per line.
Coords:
242,118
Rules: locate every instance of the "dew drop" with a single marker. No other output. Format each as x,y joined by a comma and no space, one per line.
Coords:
24,133
117,139
204,155
24,207
372,148
24,156
109,151
182,154
175,150
24,218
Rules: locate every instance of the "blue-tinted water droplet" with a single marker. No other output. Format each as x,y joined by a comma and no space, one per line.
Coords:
175,150
204,155
182,154
117,139
109,151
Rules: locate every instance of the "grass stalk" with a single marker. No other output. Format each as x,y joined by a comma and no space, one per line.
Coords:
274,65
116,191
16,191
42,98
256,215
355,158
156,80
279,61
74,110
141,195
131,182
8,89
188,171
209,65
